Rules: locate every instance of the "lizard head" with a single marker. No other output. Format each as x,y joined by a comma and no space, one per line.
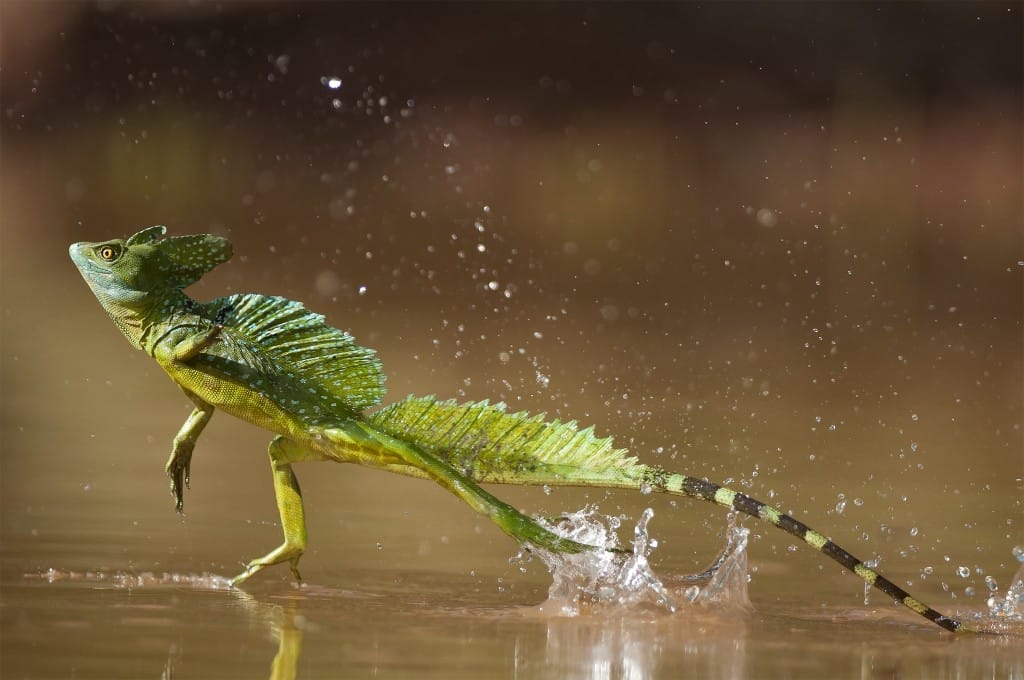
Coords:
130,274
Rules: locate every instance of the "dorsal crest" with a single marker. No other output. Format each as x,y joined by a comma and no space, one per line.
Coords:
280,337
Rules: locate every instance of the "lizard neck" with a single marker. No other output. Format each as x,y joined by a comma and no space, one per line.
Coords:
141,317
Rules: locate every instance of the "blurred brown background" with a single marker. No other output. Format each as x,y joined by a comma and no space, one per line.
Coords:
778,244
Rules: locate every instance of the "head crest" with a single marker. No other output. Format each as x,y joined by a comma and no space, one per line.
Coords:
147,235
189,257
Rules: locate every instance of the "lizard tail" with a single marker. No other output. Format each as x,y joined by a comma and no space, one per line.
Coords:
485,443
682,485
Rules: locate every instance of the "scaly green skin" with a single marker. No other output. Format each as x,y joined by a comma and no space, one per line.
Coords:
272,363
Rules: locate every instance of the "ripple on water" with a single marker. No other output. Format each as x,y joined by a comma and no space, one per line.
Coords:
122,579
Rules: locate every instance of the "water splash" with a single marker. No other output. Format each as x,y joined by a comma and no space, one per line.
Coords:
146,579
1011,605
726,580
618,578
1005,614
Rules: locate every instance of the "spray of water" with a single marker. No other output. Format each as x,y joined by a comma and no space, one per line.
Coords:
147,579
1011,605
616,578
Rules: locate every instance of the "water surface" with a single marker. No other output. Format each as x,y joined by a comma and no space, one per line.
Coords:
774,245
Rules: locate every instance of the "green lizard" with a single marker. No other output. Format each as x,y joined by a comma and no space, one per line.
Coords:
271,362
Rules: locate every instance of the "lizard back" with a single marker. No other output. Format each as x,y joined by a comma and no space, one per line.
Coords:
269,337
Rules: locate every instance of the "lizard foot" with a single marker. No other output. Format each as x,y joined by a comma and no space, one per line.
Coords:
178,468
281,554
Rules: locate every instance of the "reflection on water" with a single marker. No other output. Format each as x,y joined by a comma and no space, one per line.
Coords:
284,622
385,624
631,646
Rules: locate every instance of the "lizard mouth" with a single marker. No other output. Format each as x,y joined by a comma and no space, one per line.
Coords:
84,264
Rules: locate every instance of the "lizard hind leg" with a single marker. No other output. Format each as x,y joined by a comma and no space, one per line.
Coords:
283,452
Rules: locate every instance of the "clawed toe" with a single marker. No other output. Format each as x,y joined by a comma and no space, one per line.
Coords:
282,554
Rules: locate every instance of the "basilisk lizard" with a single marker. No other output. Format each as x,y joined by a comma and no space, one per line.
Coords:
271,362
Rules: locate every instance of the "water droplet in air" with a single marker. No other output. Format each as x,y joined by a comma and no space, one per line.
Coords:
327,283
766,217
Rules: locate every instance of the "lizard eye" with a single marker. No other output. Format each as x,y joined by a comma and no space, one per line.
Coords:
109,253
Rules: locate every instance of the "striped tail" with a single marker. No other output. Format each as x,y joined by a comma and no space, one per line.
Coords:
487,444
713,493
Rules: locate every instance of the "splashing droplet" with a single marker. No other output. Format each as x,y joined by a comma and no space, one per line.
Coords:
603,578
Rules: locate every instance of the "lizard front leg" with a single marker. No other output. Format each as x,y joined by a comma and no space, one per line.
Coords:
179,464
182,343
178,345
193,345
